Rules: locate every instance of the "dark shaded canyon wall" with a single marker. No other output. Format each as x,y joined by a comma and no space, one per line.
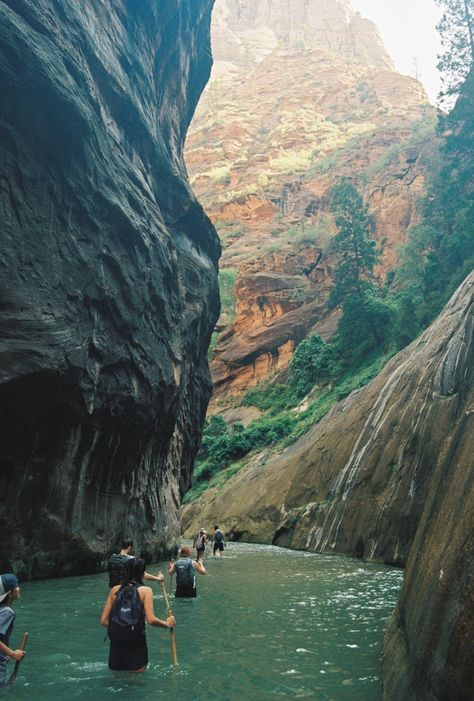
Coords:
387,475
108,289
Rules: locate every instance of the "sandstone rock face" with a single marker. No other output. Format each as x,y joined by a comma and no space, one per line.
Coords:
108,291
258,27
278,299
302,93
387,475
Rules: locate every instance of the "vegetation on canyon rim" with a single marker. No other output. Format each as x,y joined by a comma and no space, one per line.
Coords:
377,317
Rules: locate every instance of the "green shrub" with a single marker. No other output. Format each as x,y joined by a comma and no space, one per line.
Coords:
314,361
271,397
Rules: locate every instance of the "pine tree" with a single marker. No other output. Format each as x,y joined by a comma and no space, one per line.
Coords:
353,245
366,317
456,28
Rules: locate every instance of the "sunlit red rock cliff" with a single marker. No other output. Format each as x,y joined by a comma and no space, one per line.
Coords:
301,94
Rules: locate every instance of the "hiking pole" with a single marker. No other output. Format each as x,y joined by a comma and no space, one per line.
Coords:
171,579
174,655
24,640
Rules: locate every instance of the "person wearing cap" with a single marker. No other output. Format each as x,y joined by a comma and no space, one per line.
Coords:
9,592
200,544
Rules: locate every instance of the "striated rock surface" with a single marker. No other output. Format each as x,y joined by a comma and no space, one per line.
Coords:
301,94
387,475
108,292
278,299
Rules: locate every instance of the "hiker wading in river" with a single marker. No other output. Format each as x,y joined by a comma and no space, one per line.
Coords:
127,608
117,563
218,541
9,592
186,569
200,544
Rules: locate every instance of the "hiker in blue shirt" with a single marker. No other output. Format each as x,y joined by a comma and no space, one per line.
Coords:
9,592
186,568
218,541
127,608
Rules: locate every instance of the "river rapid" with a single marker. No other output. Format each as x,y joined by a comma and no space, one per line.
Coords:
267,624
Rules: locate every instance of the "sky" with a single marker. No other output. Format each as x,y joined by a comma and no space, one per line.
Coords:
408,30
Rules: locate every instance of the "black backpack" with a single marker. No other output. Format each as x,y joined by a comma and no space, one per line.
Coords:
116,569
185,577
127,617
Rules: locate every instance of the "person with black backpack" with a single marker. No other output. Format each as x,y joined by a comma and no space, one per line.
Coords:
186,568
127,608
218,541
117,562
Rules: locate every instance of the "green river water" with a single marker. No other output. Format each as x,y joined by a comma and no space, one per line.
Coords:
268,623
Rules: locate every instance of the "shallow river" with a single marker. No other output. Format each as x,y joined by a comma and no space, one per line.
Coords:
267,623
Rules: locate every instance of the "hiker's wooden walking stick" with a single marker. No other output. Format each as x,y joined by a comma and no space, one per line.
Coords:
171,579
174,655
24,640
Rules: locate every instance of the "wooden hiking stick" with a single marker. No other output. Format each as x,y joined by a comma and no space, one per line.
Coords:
171,579
24,640
174,655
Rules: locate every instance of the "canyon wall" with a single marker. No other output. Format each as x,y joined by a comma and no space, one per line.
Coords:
302,93
387,475
108,293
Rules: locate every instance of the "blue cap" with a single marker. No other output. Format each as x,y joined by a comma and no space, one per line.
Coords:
8,582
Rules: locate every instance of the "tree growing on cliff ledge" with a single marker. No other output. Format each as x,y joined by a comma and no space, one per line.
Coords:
366,317
456,29
353,244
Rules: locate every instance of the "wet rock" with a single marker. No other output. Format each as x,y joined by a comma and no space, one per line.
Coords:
108,291
387,475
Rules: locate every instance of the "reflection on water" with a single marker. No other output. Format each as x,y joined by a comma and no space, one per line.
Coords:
267,624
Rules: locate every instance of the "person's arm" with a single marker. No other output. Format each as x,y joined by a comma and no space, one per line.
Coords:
104,619
16,655
154,577
171,568
146,596
199,567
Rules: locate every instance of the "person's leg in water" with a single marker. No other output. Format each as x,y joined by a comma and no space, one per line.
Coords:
218,547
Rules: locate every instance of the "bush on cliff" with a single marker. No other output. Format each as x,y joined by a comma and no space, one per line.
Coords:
314,361
221,443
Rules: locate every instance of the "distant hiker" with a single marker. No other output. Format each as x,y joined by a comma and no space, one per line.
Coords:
9,592
116,565
200,544
127,608
186,568
219,541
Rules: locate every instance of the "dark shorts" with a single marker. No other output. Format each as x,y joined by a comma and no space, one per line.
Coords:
188,592
218,546
200,551
128,658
